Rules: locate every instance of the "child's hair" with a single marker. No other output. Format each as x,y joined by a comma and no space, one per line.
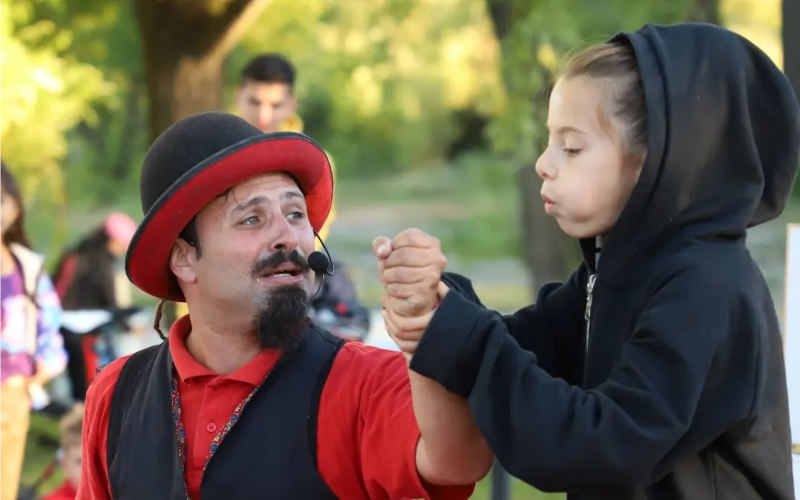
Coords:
15,233
616,61
71,427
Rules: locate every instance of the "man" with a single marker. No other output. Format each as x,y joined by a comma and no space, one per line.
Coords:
266,99
247,398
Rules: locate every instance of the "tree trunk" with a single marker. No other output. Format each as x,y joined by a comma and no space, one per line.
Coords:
185,45
131,134
549,253
791,42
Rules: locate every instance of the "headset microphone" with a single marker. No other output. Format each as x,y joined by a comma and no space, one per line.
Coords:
320,263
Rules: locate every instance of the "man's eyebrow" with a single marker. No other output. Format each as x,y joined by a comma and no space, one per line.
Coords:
256,200
292,194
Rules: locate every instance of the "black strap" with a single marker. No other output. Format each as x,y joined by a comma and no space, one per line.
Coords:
137,367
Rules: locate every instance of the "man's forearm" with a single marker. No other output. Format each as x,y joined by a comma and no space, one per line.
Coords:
451,449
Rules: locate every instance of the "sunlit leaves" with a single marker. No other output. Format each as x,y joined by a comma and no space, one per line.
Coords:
45,94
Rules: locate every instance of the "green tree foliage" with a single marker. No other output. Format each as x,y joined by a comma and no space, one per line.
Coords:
379,81
537,37
47,91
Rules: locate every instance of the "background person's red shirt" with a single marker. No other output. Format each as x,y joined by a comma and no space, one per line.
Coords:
64,492
366,436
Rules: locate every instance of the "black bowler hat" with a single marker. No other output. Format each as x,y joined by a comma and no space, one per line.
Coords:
199,158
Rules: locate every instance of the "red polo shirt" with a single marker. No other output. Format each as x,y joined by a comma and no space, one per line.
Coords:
366,438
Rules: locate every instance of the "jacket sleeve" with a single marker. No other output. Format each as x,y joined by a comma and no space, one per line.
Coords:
552,328
50,353
560,437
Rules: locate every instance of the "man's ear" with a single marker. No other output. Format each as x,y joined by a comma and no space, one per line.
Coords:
182,258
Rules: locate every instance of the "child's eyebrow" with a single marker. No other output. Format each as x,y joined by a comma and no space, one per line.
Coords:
565,129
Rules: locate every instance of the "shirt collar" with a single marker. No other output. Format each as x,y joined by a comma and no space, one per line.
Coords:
252,373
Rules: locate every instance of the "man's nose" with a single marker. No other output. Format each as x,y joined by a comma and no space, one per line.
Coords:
265,114
283,235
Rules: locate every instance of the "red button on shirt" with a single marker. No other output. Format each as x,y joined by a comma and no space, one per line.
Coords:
211,427
366,435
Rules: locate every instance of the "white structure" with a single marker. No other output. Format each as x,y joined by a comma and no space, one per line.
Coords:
792,327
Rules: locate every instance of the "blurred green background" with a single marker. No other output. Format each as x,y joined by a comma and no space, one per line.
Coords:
432,109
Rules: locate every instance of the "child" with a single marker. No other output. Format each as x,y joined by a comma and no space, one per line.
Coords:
656,371
31,349
71,449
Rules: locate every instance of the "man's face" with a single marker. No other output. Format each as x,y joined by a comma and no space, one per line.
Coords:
265,105
254,242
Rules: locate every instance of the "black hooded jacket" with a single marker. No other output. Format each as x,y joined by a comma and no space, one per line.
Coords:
679,390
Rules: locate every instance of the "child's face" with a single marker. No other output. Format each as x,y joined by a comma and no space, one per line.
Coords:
71,464
9,211
587,175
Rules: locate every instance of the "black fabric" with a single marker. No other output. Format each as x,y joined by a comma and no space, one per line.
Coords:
138,366
269,451
186,144
193,144
681,393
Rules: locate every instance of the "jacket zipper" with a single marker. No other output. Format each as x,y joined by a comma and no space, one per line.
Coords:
587,314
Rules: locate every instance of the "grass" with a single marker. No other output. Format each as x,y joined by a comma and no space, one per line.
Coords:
470,205
43,441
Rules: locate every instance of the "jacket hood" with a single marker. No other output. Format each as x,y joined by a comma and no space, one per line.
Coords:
723,132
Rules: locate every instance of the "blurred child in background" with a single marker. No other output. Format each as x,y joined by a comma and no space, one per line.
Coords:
71,425
32,348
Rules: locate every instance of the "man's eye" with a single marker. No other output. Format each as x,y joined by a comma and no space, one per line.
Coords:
296,215
249,221
572,151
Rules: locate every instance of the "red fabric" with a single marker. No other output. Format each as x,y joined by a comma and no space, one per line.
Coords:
64,492
65,275
366,439
148,256
90,358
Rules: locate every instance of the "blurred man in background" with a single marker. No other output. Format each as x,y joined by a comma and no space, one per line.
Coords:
265,96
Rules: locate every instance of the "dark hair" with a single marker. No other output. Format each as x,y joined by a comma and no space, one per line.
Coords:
269,68
88,281
189,234
616,61
15,233
189,231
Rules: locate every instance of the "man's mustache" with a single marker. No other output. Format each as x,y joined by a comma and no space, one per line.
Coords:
277,258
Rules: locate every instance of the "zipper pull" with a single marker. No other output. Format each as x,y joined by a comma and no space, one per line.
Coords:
587,313
589,288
